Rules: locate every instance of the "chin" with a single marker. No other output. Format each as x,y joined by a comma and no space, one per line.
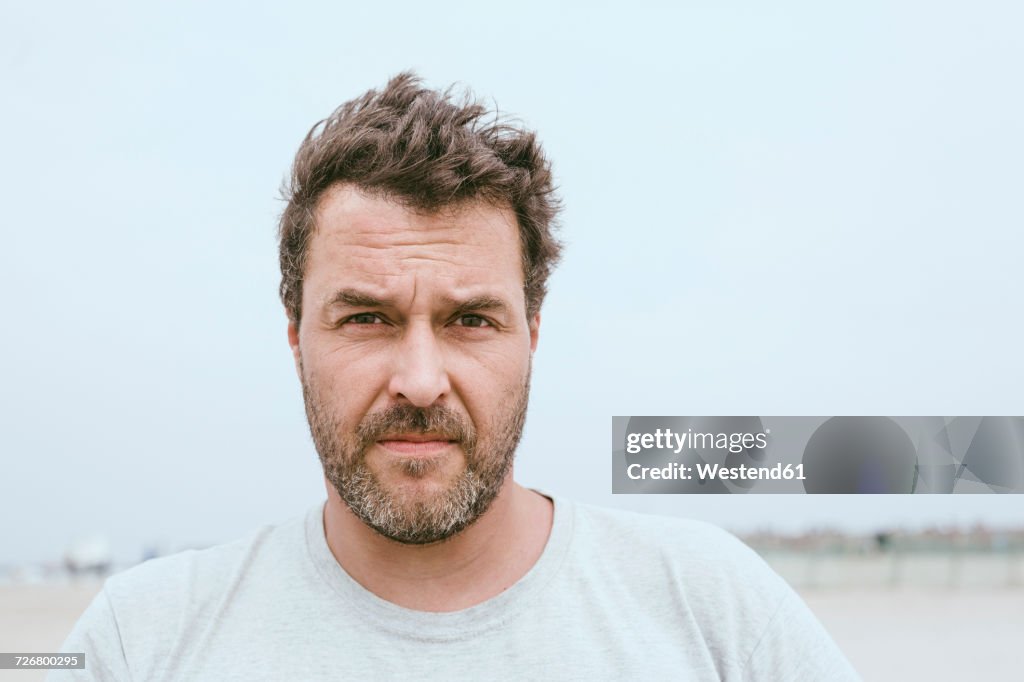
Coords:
417,491
436,471
418,468
414,475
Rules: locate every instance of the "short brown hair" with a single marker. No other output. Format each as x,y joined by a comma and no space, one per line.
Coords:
428,151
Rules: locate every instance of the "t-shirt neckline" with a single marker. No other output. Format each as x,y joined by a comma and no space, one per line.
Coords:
439,626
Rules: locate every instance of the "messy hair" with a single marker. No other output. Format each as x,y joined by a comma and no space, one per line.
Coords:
429,151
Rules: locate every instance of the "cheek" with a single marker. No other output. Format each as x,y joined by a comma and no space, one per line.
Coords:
346,389
487,384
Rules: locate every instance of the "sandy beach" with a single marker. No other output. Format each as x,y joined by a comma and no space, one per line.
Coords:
888,634
37,617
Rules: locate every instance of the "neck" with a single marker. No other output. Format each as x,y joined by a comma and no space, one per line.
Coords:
482,561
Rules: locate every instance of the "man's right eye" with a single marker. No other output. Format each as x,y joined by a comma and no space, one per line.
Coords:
363,318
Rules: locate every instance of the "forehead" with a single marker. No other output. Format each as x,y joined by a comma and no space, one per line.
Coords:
384,246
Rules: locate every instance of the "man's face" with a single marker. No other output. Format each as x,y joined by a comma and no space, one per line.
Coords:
414,356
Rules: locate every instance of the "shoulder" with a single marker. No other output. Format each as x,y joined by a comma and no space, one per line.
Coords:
154,607
191,573
751,620
704,570
196,576
668,538
144,614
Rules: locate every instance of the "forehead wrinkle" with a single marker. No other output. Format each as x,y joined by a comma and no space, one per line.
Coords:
427,249
447,251
385,233
387,244
410,264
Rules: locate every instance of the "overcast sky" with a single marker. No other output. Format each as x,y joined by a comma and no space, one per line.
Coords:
795,208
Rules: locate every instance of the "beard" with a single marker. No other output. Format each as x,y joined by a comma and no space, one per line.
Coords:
488,459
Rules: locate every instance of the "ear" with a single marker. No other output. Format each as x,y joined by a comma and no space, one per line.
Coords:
534,331
293,341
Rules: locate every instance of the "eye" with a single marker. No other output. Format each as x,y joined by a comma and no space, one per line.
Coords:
363,318
472,321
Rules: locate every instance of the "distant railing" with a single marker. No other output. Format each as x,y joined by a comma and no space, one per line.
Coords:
892,569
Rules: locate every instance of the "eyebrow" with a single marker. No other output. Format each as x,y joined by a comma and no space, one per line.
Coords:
354,298
477,303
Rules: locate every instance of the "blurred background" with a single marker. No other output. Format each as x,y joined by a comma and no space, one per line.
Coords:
794,209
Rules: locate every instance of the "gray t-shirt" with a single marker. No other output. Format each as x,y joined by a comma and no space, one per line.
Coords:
615,595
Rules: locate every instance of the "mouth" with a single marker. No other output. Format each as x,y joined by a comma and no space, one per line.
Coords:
416,444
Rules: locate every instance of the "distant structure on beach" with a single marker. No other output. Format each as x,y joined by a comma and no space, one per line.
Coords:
89,556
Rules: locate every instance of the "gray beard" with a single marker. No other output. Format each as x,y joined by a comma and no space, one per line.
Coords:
488,462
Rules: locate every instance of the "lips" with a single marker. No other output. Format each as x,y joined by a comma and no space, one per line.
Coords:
422,444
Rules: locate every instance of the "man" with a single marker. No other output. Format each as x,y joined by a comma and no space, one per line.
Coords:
415,249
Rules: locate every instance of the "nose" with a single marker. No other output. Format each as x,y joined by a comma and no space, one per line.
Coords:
419,375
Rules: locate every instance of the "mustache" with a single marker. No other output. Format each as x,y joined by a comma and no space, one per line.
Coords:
399,419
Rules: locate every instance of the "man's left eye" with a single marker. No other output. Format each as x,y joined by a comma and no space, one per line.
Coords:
472,321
